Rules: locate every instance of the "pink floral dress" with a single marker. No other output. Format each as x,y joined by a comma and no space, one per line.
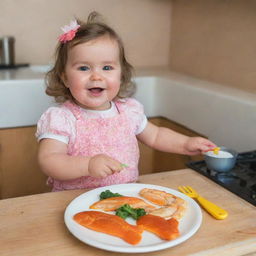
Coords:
88,134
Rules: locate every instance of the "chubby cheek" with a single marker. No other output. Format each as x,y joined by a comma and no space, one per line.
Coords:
114,88
76,92
75,80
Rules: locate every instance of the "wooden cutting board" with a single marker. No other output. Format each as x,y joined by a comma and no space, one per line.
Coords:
34,225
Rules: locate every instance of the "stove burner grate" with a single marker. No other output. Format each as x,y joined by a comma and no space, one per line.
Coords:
241,180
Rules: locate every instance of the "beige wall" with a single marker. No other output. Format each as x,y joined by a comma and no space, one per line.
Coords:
144,26
215,40
210,39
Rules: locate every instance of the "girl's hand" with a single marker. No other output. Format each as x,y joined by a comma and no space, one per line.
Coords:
198,145
100,166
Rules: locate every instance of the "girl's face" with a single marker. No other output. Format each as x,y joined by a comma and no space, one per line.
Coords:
93,73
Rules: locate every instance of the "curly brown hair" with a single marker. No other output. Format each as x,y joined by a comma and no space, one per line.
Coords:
94,28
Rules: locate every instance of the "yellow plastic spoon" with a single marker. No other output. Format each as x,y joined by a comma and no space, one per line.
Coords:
216,150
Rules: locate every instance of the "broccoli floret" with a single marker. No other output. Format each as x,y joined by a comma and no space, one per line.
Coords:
127,211
122,213
107,194
140,212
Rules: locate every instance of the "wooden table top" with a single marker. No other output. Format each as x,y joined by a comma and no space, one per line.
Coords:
34,225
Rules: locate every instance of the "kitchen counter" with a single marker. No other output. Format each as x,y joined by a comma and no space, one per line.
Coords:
34,225
177,97
29,73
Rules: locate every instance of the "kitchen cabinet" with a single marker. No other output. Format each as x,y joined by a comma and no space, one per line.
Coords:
20,174
19,170
156,161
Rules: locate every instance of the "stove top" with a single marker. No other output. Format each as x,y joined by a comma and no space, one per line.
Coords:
241,180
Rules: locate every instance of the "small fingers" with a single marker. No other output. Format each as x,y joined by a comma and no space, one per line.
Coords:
208,146
102,166
199,145
116,166
102,173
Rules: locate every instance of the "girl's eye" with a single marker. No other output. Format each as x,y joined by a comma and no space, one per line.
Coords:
83,68
107,68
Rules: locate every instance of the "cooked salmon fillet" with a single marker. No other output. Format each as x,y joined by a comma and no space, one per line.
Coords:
170,211
160,197
113,203
109,224
165,229
172,206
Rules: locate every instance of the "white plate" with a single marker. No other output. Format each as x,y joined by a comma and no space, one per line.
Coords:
189,224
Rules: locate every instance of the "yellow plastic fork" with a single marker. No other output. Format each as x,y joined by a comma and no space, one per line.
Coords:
217,212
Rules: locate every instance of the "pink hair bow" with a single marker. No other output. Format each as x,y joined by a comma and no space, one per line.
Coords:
69,31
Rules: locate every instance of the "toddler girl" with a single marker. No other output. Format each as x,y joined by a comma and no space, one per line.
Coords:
90,139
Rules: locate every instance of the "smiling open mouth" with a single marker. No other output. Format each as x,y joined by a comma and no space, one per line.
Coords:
96,90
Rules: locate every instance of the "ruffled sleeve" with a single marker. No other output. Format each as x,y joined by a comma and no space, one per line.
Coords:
56,123
135,112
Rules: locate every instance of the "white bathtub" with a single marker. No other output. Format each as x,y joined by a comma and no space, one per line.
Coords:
225,115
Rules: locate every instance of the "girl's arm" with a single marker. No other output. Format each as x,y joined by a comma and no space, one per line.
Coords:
167,140
56,163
